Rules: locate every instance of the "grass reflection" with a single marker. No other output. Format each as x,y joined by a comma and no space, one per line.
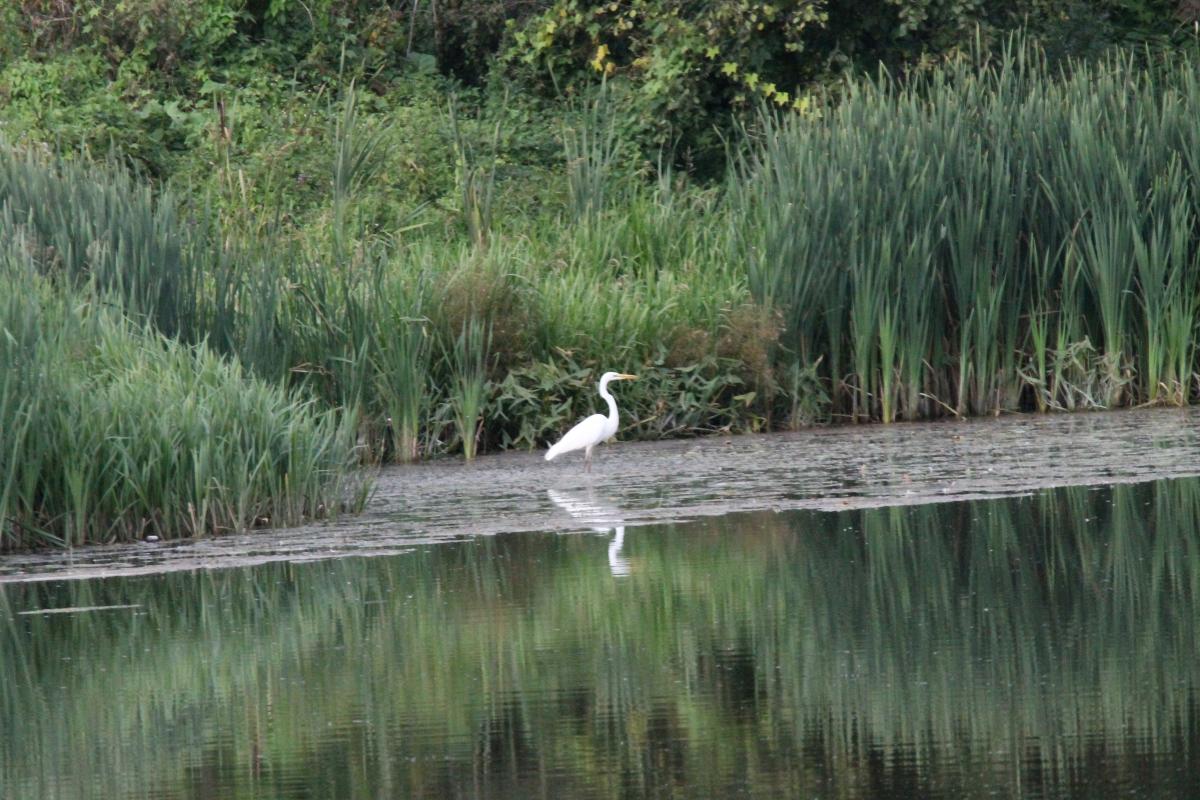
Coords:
1043,645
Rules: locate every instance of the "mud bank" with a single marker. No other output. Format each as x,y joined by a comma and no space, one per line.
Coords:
642,483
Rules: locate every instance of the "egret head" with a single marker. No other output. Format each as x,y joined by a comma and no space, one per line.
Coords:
616,376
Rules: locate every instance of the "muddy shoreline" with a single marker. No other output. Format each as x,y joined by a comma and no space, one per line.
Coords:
652,482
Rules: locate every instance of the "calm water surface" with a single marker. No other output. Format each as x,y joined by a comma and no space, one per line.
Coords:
1036,647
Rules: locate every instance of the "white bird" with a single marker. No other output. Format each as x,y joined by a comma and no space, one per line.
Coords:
595,429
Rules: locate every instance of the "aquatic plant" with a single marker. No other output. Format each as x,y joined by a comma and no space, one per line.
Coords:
112,231
476,179
987,235
401,370
467,365
111,432
591,148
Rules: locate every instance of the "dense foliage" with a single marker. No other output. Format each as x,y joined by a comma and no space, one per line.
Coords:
157,84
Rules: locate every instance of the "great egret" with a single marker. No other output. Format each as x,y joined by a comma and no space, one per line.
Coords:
596,428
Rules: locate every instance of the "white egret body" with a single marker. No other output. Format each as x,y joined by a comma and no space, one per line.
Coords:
595,429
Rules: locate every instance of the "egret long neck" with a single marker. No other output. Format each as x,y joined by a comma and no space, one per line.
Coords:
613,417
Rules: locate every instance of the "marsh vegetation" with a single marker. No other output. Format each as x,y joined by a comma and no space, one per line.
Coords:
383,264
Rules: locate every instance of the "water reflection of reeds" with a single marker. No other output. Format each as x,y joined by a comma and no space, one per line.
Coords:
1044,645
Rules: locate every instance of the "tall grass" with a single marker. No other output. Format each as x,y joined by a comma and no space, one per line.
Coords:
355,160
476,179
112,232
987,236
467,361
591,149
401,370
110,432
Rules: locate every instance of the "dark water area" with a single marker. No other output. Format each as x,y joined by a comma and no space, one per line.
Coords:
1041,646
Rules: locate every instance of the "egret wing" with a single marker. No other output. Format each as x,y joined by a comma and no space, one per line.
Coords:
588,432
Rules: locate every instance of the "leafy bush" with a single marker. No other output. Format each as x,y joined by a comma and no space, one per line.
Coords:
679,72
467,34
675,67
535,404
158,33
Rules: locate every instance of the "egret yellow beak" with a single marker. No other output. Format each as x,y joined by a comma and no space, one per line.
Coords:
623,377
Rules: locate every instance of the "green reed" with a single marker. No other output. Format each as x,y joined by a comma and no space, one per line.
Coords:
401,371
1166,289
112,231
467,363
990,234
110,432
476,179
355,160
591,149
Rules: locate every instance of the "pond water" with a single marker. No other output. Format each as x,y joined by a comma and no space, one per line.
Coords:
1037,646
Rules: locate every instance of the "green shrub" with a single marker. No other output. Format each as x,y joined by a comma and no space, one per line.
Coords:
533,405
680,73
159,33
675,68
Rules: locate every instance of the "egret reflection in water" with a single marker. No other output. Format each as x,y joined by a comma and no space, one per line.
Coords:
599,515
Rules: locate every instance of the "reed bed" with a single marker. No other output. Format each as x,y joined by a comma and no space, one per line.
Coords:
111,432
207,380
112,232
992,235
